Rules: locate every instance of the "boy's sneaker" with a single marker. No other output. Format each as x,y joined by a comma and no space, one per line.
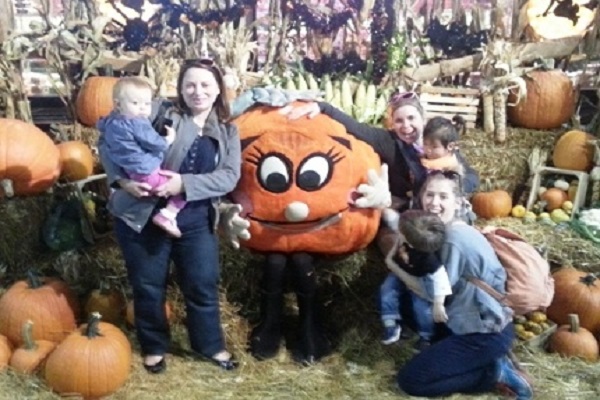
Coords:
391,334
511,381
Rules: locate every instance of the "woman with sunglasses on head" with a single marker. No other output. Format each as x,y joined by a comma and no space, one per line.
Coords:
474,356
398,147
207,160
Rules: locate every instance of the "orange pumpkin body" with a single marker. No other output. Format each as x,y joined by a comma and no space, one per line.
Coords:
554,198
52,307
5,352
109,303
576,292
76,160
572,151
32,354
298,178
91,365
573,341
549,103
495,204
29,158
95,99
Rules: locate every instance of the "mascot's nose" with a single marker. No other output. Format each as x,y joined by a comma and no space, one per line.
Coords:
296,211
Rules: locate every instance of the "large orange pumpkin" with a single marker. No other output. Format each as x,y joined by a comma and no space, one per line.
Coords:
572,151
76,160
298,178
29,160
48,302
549,103
93,361
576,292
94,99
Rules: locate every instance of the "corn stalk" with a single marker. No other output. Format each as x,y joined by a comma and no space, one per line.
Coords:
498,70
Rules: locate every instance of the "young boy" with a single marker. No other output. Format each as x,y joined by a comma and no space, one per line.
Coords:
415,266
136,147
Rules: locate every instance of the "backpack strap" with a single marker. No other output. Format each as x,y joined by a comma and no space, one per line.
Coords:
489,290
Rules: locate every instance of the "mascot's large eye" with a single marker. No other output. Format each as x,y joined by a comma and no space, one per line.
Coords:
274,172
314,172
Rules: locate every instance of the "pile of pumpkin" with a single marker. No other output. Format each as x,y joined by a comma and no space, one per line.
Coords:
38,328
31,163
576,309
39,334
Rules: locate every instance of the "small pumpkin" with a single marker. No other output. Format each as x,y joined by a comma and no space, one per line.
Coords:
130,313
76,160
32,354
494,204
5,352
93,361
518,211
573,151
29,160
574,341
95,99
109,302
576,292
48,302
549,103
554,198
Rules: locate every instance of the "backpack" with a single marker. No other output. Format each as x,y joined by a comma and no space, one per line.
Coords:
529,284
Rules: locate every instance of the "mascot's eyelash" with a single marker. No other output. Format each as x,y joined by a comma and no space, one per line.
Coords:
253,158
336,158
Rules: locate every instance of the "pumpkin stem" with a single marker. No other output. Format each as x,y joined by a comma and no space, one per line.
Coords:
28,342
589,280
573,323
92,330
33,280
103,287
7,187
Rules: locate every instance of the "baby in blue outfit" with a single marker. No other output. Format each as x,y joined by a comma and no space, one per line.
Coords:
136,147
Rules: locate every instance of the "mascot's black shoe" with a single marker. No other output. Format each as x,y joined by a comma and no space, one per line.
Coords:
265,339
312,344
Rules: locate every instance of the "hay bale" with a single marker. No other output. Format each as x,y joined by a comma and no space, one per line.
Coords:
504,165
21,221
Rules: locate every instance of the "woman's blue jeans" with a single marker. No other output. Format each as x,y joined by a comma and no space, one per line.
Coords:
196,257
456,364
393,293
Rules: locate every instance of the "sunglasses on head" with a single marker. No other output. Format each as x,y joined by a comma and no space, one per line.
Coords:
398,97
205,61
446,173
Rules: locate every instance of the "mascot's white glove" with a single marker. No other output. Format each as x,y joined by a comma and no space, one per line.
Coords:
375,193
439,311
233,226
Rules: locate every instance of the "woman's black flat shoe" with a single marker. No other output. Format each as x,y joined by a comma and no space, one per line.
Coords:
157,368
227,365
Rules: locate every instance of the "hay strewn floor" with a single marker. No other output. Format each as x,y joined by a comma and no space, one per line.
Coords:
360,368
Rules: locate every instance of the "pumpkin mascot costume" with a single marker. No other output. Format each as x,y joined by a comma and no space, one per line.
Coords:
307,188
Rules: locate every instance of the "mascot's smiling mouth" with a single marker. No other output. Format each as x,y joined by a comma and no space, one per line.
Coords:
301,227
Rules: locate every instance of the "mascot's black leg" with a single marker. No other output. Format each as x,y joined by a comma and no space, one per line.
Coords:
312,343
266,337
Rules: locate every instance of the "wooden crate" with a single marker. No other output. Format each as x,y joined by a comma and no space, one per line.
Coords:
448,102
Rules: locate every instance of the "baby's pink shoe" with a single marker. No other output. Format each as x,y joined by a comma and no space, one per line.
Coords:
169,225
